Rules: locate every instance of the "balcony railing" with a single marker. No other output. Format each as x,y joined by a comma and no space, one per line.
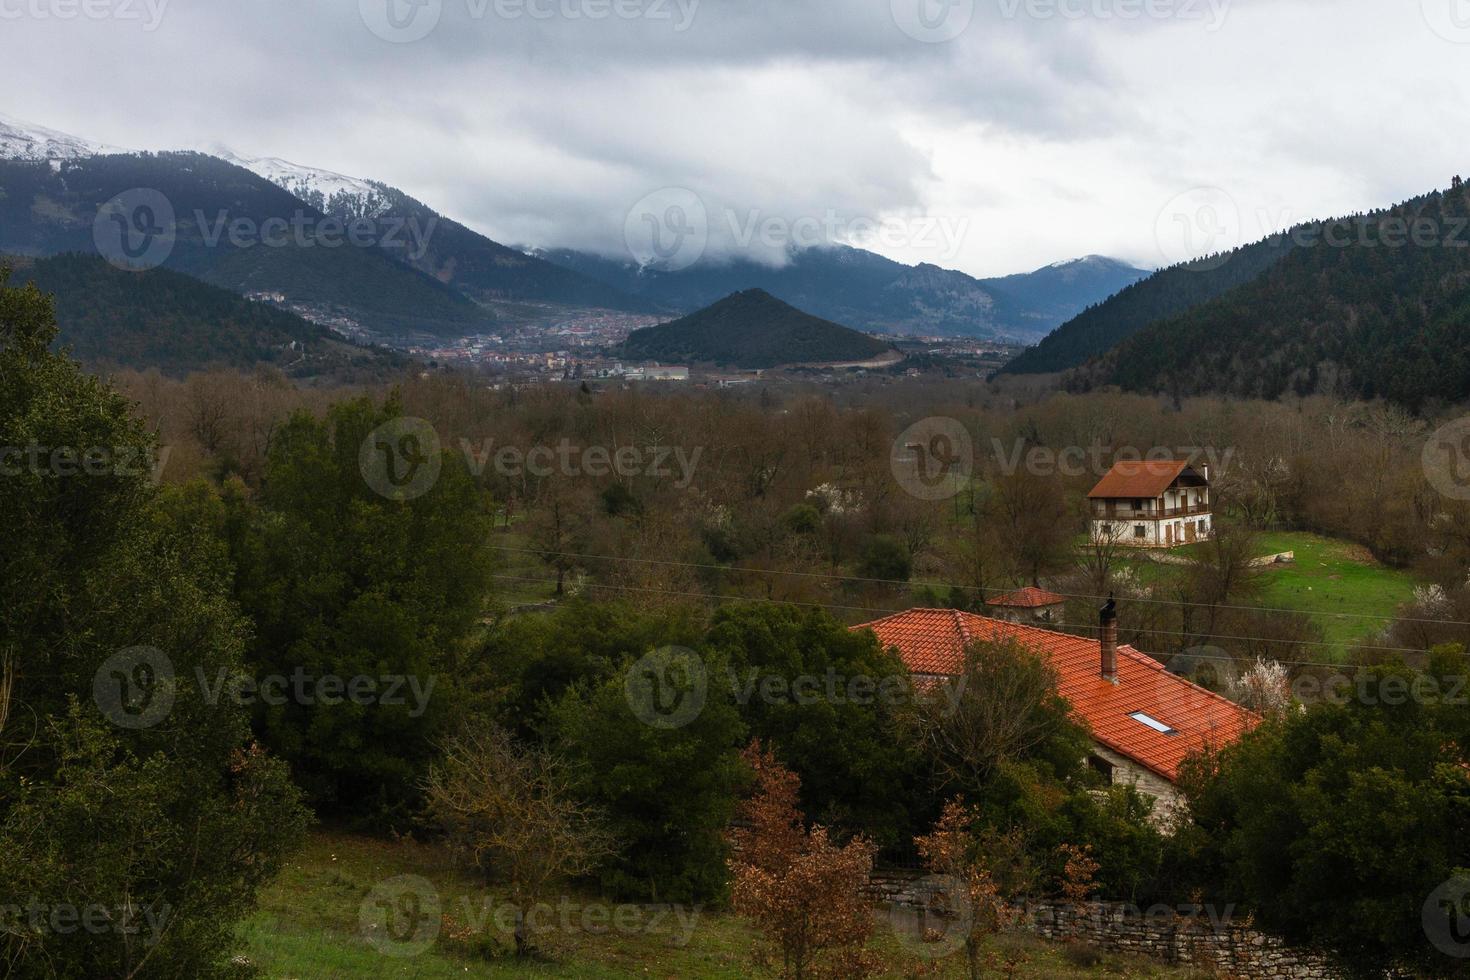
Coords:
1117,513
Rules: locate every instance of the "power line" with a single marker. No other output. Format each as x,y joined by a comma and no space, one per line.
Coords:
967,588
891,611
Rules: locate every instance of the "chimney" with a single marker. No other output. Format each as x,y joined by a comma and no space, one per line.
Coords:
1108,640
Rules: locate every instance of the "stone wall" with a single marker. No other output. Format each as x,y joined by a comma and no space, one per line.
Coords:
1210,939
1211,942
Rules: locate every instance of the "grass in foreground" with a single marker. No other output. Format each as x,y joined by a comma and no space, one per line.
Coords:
309,926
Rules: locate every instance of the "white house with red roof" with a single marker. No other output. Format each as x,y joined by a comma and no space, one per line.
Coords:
1144,720
1028,605
1152,503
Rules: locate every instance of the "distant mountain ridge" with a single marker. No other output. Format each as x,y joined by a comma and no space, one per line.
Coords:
167,320
1354,307
873,293
1165,293
50,207
752,329
458,256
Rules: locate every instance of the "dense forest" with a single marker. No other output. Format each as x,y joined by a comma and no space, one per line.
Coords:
1166,293
1368,307
167,320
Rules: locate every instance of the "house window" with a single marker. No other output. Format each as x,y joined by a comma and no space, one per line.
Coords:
1140,531
1153,723
1102,767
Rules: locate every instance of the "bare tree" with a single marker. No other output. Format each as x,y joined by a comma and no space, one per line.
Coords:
511,807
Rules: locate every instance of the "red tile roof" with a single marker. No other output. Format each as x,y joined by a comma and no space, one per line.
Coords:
932,642
1141,479
1028,598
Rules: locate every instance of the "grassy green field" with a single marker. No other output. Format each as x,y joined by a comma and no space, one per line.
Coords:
309,925
1344,589
1330,578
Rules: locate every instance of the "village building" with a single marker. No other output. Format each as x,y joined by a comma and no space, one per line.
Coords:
1152,504
1144,720
1028,605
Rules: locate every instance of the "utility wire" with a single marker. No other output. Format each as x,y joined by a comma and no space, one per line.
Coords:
967,588
890,611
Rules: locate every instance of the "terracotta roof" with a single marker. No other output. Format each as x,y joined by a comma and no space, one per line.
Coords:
1138,478
1028,598
932,642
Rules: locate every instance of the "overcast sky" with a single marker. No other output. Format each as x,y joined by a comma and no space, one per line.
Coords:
991,136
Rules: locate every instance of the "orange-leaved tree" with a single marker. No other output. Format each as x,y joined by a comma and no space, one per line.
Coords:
807,895
969,894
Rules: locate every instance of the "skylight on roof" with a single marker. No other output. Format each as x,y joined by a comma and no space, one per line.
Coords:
1153,723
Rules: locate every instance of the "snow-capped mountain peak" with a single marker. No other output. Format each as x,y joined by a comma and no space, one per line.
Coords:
325,190
21,140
